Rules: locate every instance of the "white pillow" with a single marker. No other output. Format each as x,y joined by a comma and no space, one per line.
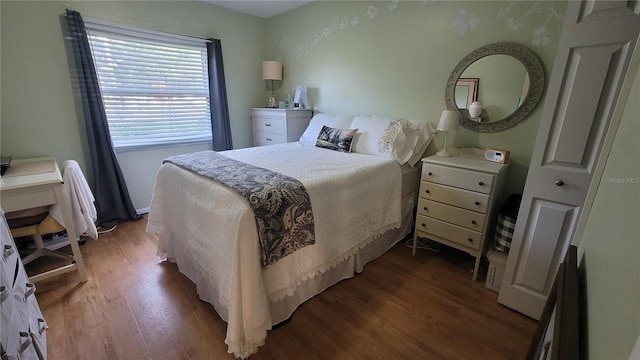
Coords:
424,136
312,131
370,130
405,141
399,140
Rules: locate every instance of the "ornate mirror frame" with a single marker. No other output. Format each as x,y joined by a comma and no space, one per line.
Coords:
536,85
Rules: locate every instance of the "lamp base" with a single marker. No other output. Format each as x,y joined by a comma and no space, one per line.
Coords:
443,153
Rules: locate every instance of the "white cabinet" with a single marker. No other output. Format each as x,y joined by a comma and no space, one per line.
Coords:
458,197
278,126
22,327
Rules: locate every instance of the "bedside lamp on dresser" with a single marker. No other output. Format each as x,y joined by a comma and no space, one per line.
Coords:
277,126
457,203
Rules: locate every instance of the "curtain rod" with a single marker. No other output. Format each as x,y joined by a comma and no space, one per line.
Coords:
107,24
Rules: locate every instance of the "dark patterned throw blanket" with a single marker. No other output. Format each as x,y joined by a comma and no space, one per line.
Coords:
280,203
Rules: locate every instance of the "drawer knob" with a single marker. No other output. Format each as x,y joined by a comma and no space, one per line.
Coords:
423,225
427,191
267,124
470,240
559,182
425,208
477,202
8,250
25,340
269,139
42,326
481,183
473,222
3,293
31,289
430,173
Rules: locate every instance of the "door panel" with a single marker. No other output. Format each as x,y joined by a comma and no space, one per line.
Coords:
594,52
596,10
549,220
577,120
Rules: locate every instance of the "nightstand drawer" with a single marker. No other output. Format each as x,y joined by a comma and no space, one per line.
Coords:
453,233
277,126
269,124
457,197
459,178
469,219
263,138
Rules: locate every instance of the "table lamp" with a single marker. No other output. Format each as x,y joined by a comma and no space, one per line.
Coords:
272,75
448,123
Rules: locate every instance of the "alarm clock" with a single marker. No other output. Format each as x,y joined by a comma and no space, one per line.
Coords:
496,155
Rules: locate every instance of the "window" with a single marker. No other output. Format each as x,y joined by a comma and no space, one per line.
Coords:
155,87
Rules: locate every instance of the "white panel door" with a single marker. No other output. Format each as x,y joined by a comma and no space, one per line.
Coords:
594,52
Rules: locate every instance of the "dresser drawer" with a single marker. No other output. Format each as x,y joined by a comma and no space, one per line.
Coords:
263,138
9,256
281,125
466,199
453,233
451,214
269,124
459,178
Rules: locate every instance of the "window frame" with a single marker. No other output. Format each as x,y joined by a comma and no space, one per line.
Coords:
160,38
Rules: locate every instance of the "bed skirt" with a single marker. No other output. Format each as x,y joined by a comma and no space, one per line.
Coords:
284,308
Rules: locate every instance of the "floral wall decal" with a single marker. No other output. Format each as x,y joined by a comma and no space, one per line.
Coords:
466,18
515,13
287,44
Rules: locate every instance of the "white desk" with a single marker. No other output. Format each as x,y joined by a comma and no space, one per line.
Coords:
27,190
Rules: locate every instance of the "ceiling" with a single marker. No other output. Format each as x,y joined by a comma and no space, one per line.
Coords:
260,8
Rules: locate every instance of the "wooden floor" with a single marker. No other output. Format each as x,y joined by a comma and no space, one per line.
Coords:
401,307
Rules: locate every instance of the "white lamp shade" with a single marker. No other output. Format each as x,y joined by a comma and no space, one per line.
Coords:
448,121
271,70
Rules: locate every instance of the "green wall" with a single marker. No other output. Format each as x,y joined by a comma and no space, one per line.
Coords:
390,59
394,58
611,244
355,57
40,112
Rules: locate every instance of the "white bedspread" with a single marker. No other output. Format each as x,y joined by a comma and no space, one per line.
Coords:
355,198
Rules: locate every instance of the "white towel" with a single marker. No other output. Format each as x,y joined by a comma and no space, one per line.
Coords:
79,198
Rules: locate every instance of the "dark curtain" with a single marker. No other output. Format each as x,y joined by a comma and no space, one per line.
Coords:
220,124
110,190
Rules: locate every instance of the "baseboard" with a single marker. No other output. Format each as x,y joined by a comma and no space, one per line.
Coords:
142,211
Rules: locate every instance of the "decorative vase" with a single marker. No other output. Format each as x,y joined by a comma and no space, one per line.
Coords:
475,109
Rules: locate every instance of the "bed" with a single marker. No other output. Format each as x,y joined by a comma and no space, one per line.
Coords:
362,203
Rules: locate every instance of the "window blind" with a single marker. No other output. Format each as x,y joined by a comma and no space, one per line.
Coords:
155,90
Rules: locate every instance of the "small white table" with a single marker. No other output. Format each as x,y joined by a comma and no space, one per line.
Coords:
29,183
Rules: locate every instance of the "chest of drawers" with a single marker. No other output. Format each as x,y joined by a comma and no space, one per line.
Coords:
457,203
277,126
22,327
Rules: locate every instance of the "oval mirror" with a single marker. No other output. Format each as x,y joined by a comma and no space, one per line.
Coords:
509,82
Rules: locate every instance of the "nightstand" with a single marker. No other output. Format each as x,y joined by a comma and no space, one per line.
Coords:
277,126
457,203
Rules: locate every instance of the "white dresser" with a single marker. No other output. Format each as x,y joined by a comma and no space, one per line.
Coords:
22,327
457,204
277,126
